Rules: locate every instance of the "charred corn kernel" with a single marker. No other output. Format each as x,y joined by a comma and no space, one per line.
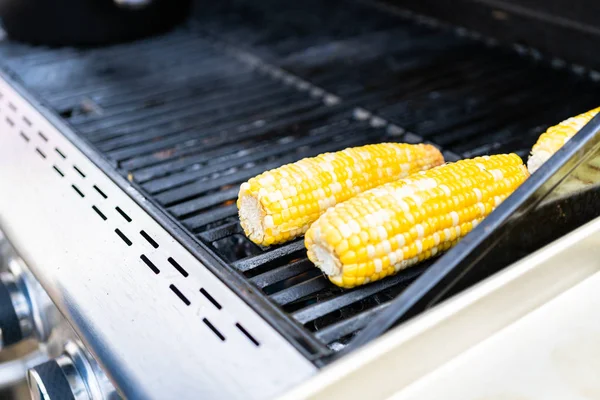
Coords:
409,220
279,205
555,137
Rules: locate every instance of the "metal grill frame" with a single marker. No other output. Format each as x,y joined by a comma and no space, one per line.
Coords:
309,343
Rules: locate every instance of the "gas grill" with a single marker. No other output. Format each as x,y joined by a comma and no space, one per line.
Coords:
128,160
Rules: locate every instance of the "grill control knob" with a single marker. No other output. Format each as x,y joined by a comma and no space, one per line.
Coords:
74,375
15,312
55,379
26,311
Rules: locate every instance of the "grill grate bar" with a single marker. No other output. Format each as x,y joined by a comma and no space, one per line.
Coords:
302,289
158,167
304,120
184,210
262,150
489,120
157,97
131,91
190,135
348,326
282,273
216,214
248,264
190,107
322,308
191,190
419,78
223,231
198,110
287,153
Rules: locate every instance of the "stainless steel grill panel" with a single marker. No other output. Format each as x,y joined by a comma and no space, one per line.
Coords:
112,270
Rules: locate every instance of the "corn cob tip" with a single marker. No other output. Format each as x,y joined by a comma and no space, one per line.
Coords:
329,263
252,214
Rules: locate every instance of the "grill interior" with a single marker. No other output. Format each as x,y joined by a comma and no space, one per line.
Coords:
248,86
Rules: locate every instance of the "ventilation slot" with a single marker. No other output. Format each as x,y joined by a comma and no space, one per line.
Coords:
122,236
58,171
100,192
24,136
210,298
123,214
10,121
79,192
99,213
215,330
149,239
178,267
150,264
41,153
179,294
40,134
247,334
60,153
79,171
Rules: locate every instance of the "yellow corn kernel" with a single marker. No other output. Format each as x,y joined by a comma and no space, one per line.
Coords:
280,204
411,219
555,137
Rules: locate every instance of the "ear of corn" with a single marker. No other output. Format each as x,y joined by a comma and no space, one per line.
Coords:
279,205
555,137
389,228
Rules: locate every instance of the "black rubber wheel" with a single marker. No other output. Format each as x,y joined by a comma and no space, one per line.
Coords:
87,22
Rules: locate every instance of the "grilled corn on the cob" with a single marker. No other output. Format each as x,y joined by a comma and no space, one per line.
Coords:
279,205
555,137
386,229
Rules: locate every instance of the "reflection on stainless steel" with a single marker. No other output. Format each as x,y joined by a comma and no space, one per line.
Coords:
95,383
74,378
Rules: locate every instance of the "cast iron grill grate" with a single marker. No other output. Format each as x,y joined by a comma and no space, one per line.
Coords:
187,119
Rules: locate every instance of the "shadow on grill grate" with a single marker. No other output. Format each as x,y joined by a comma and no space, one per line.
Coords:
188,120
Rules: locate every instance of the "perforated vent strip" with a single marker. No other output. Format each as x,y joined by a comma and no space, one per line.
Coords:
73,175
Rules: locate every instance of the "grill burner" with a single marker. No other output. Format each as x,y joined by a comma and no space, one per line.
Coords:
187,118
